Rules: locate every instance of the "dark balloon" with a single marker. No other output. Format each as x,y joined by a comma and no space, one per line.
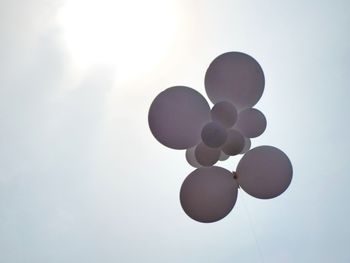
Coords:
264,172
191,158
251,123
177,116
247,144
208,194
223,156
236,77
225,113
234,143
214,134
205,155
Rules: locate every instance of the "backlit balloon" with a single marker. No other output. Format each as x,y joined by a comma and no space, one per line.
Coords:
177,115
205,155
208,194
264,172
223,156
247,144
191,158
251,123
225,113
236,77
234,143
214,134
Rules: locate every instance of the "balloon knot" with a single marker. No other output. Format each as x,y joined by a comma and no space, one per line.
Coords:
235,176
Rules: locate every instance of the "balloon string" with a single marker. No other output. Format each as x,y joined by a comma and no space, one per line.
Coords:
253,229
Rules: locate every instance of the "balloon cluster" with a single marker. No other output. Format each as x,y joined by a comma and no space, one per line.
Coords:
181,118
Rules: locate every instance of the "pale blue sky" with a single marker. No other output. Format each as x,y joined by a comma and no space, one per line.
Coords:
83,180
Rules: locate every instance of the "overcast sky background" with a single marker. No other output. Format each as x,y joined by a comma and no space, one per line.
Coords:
83,180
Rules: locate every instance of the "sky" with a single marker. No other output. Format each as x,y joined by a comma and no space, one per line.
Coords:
83,180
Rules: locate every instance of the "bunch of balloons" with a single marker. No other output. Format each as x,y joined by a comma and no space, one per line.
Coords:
181,118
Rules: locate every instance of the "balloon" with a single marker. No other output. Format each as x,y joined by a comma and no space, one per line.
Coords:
247,144
236,77
177,116
251,123
234,143
264,172
225,113
208,194
206,156
191,158
214,134
223,156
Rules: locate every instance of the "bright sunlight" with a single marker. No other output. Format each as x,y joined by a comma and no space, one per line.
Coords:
128,35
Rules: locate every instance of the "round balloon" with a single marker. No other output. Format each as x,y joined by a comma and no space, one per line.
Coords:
225,113
234,143
205,155
177,116
214,134
264,172
247,144
236,77
208,194
251,123
223,156
191,158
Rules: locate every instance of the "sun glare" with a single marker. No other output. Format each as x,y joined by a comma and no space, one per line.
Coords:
123,34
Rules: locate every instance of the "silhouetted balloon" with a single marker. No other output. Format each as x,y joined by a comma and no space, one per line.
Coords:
214,134
251,123
225,113
177,116
208,194
236,77
234,143
264,172
191,158
205,155
223,156
247,144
